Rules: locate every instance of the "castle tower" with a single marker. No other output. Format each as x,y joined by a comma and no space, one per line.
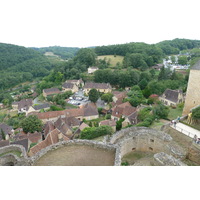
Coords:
193,90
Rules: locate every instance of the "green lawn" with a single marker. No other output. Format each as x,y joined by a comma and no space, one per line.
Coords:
174,113
157,125
17,153
113,59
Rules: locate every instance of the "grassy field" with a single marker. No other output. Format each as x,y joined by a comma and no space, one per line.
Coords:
174,113
157,124
113,59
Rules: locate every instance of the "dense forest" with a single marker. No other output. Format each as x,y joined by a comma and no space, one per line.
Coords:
175,46
64,52
19,64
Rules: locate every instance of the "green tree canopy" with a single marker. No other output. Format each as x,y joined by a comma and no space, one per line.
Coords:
31,124
93,95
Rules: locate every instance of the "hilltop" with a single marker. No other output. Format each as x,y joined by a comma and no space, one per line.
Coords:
19,64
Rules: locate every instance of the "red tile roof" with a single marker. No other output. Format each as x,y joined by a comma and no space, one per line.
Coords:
108,123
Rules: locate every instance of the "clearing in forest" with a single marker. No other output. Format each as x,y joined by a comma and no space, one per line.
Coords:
113,59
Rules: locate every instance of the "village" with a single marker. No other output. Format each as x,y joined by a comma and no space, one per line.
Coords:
68,124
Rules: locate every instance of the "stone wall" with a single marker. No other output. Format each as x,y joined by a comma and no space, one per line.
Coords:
94,144
192,94
163,159
11,159
146,140
194,153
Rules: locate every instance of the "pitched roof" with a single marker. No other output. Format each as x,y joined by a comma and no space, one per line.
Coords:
119,94
82,126
97,85
23,142
68,85
25,103
34,137
6,129
42,106
132,117
90,109
171,95
108,123
124,109
51,90
48,115
52,138
49,126
72,121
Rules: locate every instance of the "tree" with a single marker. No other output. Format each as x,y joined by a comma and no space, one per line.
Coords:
196,113
93,95
107,97
173,59
161,111
31,124
93,132
182,60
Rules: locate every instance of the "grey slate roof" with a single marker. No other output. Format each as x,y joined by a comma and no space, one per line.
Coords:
98,85
172,95
6,129
25,103
68,85
51,90
196,66
42,106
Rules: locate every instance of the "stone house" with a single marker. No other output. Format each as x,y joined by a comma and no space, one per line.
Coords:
131,119
37,108
78,131
101,87
23,105
64,128
78,83
50,91
7,130
88,111
117,95
69,87
125,110
91,70
111,123
48,116
172,97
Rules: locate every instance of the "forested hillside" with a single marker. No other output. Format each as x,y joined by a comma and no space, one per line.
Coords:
177,45
63,52
19,64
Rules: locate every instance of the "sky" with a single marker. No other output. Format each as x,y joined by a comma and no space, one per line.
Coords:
84,23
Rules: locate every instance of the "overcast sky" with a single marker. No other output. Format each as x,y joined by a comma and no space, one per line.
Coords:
83,23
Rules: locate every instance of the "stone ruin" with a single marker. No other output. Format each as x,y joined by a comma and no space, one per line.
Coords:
142,139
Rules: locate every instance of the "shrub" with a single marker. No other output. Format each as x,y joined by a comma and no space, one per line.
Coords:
93,132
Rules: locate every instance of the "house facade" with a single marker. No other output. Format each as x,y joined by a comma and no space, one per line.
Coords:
101,87
172,97
69,87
